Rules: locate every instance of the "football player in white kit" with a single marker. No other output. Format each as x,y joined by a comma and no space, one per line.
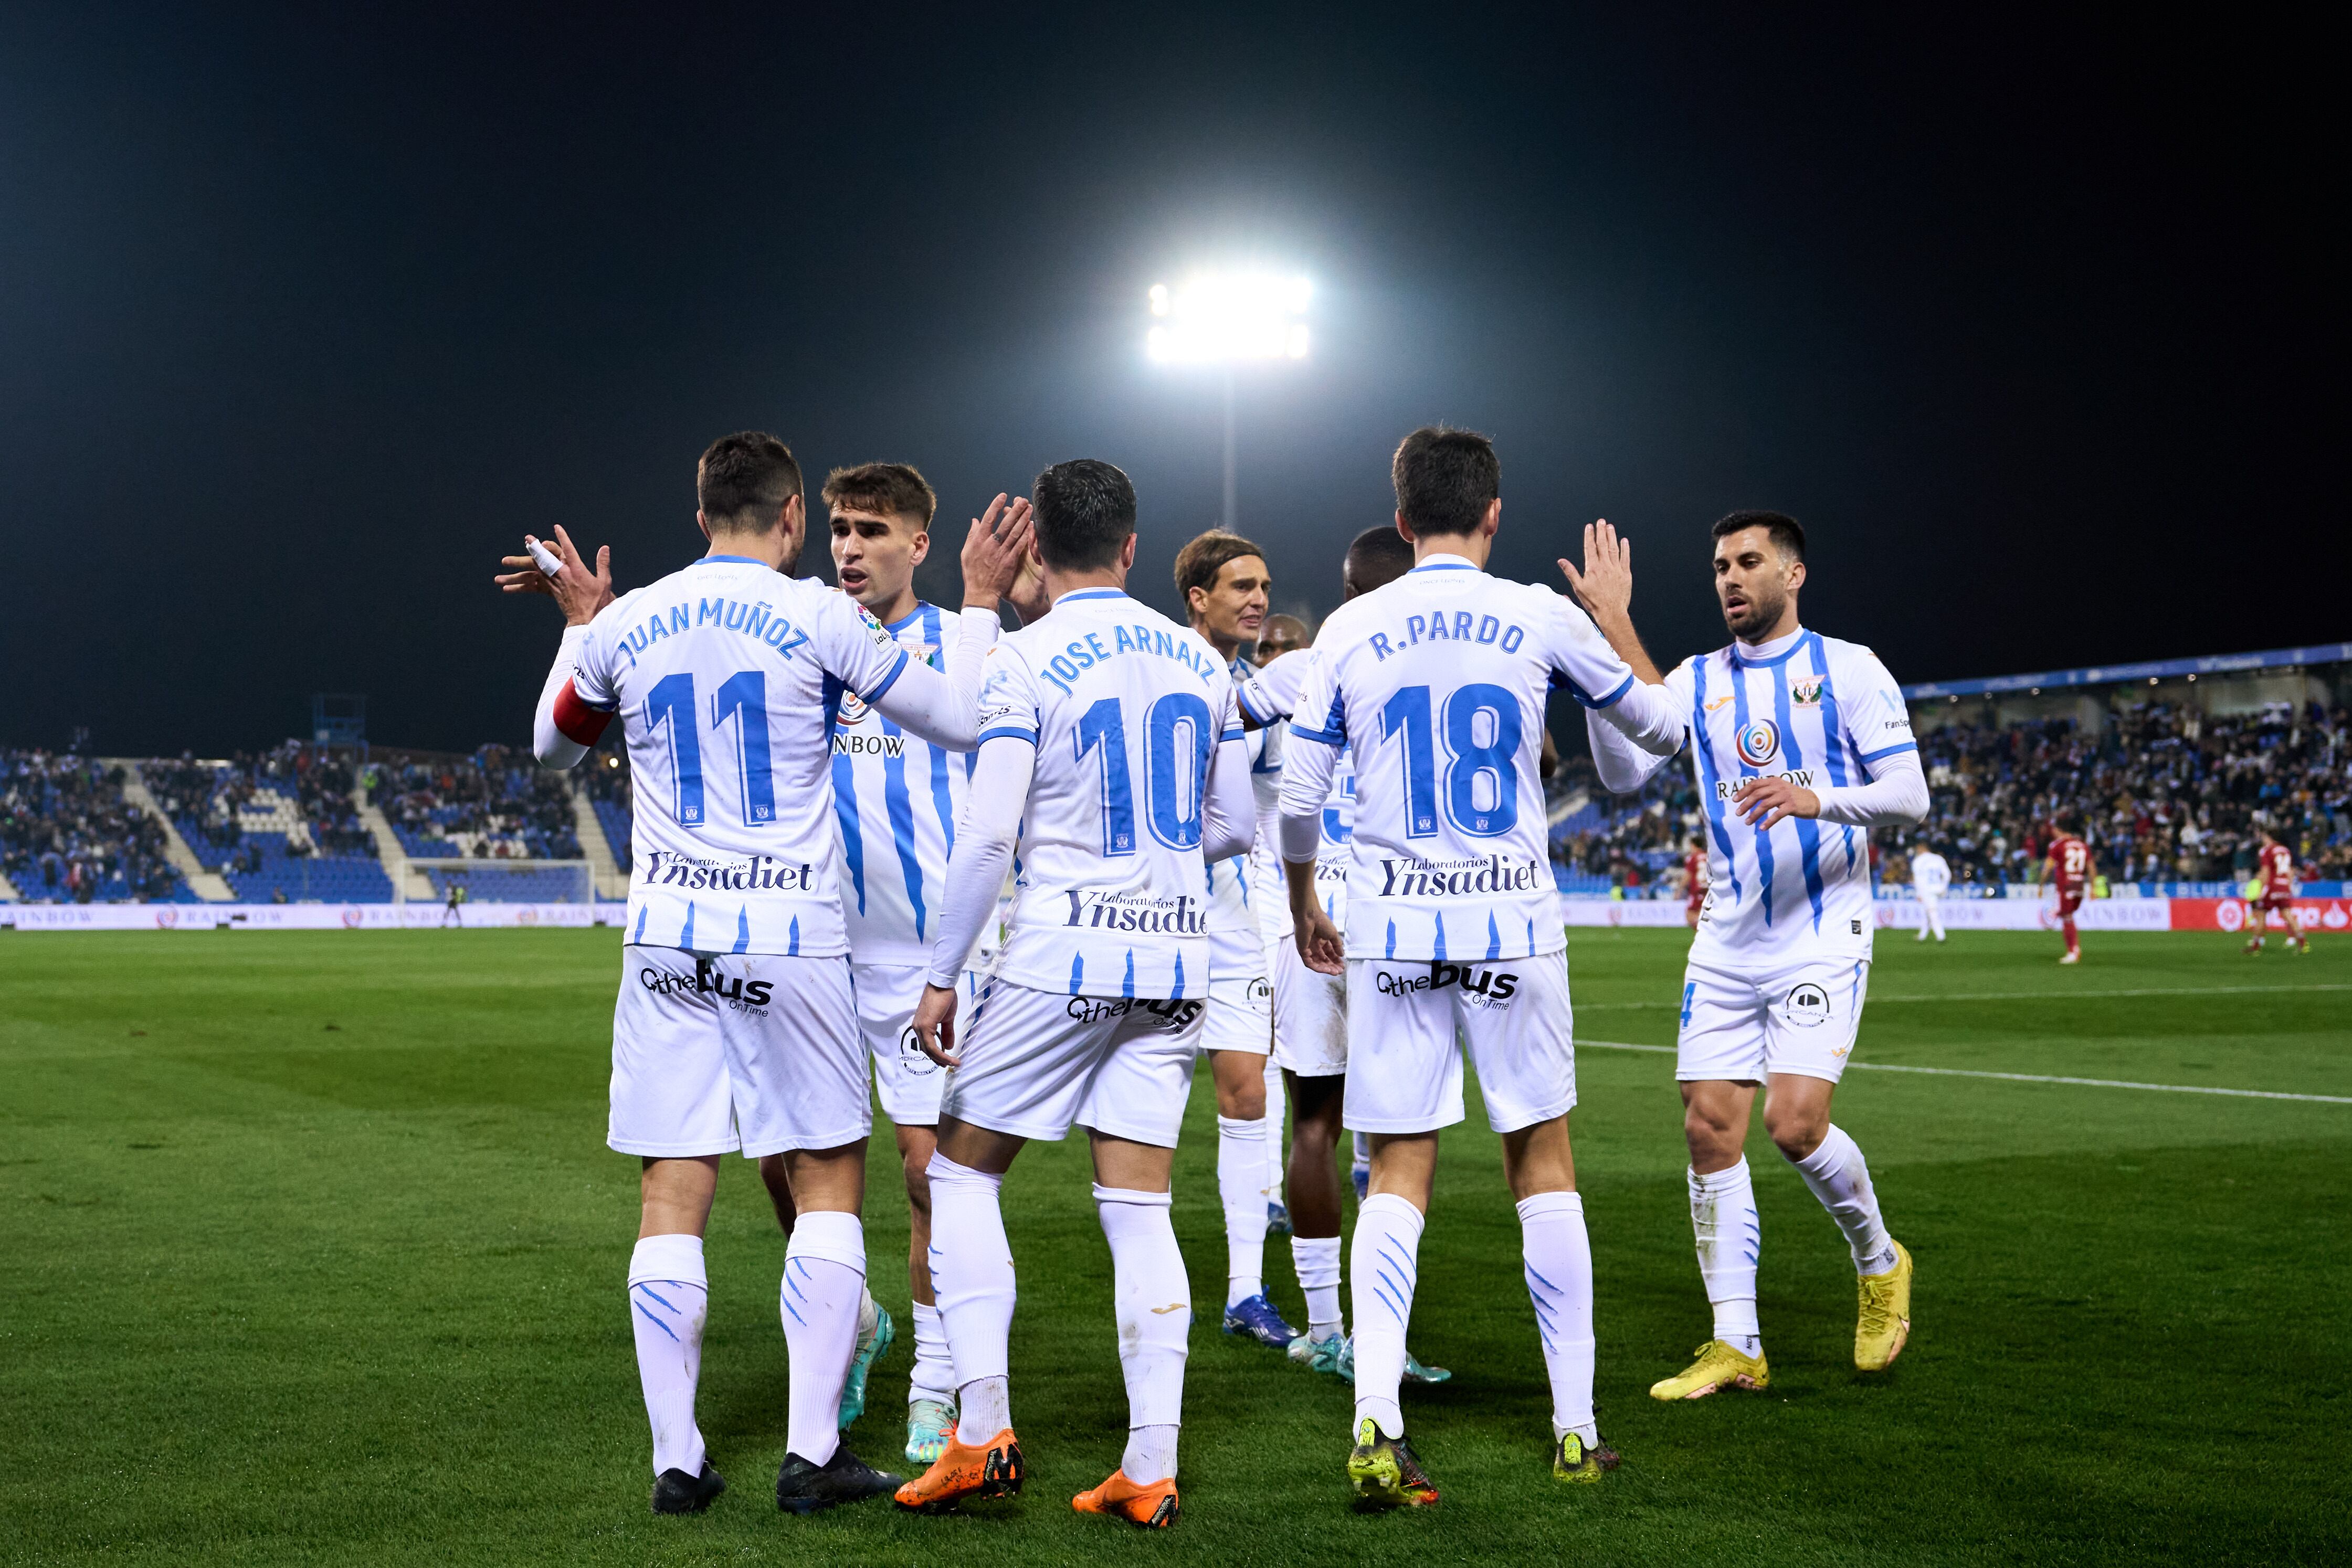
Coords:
1310,1010
897,799
1801,744
1437,685
735,1027
1223,579
1111,757
1931,876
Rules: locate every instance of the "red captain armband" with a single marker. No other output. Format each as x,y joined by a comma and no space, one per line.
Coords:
576,719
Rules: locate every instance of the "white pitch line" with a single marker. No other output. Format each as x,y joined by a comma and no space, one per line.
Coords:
2028,995
2032,1077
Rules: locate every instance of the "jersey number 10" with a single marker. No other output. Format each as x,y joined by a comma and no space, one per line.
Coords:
1176,770
1408,711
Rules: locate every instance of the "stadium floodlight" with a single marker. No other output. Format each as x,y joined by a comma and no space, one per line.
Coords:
1225,320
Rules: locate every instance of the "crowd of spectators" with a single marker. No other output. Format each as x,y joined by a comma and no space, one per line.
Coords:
209,801
67,835
495,804
2162,792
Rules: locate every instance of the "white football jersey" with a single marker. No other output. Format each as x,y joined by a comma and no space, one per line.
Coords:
1817,712
1438,682
727,675
1930,872
1269,695
1232,888
897,799
1126,708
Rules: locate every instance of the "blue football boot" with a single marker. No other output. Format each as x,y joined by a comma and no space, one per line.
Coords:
1256,1318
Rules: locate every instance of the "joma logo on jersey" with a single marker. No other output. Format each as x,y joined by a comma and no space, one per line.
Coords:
1481,988
1759,741
1180,916
1731,788
1457,879
846,744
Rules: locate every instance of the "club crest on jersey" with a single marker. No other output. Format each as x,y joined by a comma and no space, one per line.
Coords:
1759,741
1806,694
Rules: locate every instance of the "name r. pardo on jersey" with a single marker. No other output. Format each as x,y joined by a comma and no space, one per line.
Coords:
670,869
1462,626
1182,915
1489,988
1417,878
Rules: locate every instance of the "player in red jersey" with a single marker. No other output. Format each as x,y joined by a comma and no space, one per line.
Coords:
2274,869
2070,874
1694,880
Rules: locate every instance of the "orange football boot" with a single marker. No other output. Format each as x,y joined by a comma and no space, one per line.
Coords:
965,1473
1152,1507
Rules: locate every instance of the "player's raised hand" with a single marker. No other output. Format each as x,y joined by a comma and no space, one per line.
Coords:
1320,946
1770,800
934,1025
995,550
579,592
1605,586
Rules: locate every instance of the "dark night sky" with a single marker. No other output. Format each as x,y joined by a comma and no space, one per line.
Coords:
305,317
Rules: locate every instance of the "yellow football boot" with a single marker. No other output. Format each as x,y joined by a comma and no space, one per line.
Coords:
1885,1320
1573,1460
1718,1366
1386,1473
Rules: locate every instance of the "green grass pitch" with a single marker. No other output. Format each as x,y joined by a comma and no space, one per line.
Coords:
315,1255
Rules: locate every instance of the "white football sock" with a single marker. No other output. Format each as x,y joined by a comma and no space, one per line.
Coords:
971,1275
823,1293
1150,1455
1729,1237
1241,1187
1153,1302
1558,1257
1277,1148
1840,1178
670,1298
1381,1270
1318,1260
934,1374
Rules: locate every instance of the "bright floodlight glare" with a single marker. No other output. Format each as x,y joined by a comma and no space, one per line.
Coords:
1218,317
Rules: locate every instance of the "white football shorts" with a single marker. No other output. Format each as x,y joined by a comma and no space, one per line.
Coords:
1800,1018
1405,1070
1037,1063
1310,1016
908,1081
754,1051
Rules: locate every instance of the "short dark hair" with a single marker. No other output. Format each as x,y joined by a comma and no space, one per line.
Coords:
891,490
1378,557
1445,478
1204,555
1085,514
1787,533
745,480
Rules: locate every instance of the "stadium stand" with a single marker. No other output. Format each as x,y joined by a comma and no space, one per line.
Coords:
607,783
68,836
494,804
280,828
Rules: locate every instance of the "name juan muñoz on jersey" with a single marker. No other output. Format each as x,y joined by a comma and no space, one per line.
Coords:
727,676
1126,709
1437,682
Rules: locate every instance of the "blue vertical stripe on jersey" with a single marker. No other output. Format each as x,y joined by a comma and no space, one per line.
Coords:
1127,986
743,929
901,808
686,937
853,834
1180,977
1704,745
639,933
1077,972
1531,935
1391,939
1438,950
1494,938
793,950
1835,745
941,801
1809,832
